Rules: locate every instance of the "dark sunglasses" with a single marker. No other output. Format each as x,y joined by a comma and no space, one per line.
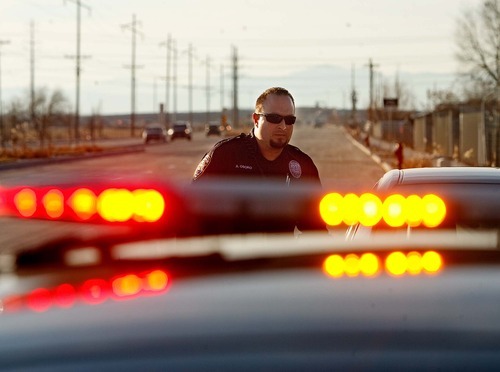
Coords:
276,119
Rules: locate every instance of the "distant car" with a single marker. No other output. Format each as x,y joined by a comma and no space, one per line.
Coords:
471,194
213,129
181,130
154,132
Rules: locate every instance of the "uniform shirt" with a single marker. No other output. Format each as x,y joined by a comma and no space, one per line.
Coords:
240,157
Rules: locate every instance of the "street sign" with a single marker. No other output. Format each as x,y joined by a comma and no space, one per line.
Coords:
390,102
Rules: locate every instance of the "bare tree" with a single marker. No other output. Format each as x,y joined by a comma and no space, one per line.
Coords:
439,97
48,108
478,42
17,119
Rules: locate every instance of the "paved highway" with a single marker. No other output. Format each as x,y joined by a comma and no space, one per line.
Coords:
342,164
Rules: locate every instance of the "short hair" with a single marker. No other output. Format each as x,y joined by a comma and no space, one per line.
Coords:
274,90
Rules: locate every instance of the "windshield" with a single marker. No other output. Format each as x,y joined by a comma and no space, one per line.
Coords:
274,179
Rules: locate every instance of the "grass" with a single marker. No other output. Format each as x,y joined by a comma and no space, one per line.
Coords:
28,146
7,155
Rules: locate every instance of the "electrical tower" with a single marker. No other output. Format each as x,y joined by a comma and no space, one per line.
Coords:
208,89
32,71
354,98
133,28
168,46
235,87
78,69
371,108
2,124
190,82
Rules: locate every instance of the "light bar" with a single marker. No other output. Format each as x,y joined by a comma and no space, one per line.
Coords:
81,204
395,264
91,292
395,210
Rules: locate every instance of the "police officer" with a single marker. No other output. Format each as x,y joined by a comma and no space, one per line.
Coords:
266,151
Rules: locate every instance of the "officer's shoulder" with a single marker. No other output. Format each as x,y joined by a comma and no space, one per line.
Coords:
296,151
232,141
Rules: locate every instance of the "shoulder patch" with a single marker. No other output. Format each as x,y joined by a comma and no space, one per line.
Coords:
202,165
295,168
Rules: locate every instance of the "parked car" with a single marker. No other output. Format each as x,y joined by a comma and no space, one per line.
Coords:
154,132
471,194
213,128
181,130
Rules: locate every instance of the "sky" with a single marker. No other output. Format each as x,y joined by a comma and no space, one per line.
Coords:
318,49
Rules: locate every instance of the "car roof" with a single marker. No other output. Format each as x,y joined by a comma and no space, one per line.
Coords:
447,175
472,194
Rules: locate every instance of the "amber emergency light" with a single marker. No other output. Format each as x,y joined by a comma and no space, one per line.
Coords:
395,210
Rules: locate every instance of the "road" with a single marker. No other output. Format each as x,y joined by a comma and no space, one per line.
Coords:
342,164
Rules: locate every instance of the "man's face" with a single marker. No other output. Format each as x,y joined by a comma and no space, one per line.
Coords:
272,135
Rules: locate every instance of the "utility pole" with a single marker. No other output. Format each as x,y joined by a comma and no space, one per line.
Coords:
168,47
32,70
174,115
371,108
2,123
78,70
235,87
155,94
133,28
222,87
208,90
190,83
223,118
354,98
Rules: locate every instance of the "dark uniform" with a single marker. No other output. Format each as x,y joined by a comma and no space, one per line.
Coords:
240,156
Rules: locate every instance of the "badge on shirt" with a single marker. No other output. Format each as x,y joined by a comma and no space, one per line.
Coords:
295,169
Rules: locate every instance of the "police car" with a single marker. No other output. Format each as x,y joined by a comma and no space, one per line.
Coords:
199,279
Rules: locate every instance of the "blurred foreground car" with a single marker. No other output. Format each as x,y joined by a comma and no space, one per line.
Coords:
181,130
210,277
154,132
